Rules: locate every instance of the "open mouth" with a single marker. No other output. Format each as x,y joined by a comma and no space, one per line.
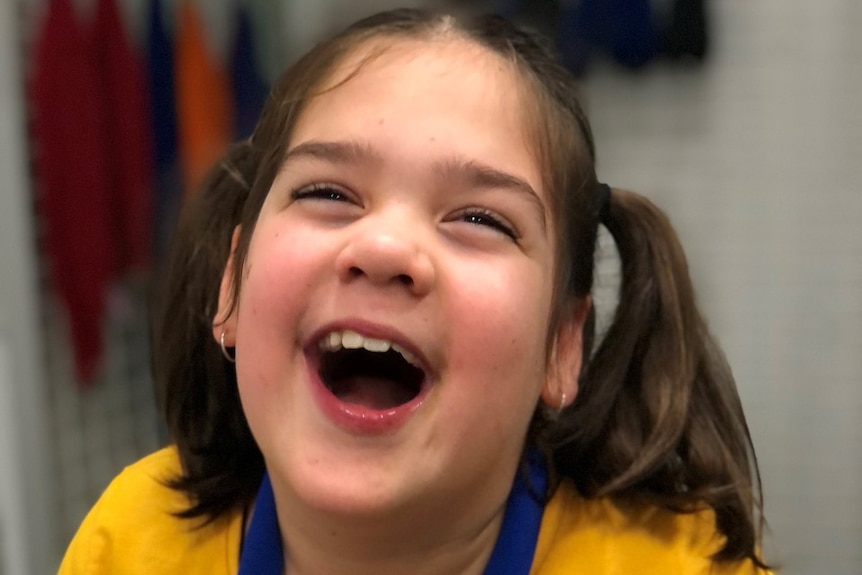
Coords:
372,373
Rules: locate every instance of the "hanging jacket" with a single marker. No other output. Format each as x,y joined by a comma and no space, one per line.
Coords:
130,140
249,88
168,184
73,180
203,99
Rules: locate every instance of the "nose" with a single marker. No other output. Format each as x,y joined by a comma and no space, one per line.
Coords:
387,254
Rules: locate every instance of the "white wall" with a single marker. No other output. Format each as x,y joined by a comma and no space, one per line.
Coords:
25,497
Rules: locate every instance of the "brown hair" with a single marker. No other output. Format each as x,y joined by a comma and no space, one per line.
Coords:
657,418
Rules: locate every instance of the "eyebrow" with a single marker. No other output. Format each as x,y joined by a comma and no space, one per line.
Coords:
475,174
346,152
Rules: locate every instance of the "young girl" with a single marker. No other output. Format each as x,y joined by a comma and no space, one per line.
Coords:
375,347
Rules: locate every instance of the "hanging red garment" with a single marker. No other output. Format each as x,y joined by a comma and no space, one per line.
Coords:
204,103
72,178
128,122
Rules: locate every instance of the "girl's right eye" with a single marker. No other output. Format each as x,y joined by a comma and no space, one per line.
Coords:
320,192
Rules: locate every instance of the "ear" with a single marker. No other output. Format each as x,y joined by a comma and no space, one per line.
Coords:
566,357
224,321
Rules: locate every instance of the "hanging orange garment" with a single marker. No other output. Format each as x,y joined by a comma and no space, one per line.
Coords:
204,103
72,179
130,135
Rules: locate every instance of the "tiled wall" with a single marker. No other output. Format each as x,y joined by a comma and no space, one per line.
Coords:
94,433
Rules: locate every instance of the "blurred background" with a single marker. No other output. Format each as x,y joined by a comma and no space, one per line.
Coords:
742,118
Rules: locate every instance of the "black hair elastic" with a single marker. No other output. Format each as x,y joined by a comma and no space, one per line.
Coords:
604,211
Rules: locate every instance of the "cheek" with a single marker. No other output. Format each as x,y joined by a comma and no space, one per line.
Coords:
274,294
498,324
280,269
500,321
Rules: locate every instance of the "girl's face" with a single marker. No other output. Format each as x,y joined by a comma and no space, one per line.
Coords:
409,216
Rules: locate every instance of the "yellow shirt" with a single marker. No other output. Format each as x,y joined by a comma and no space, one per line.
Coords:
133,530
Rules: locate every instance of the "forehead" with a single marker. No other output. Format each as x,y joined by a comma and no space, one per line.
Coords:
444,56
389,63
395,92
445,46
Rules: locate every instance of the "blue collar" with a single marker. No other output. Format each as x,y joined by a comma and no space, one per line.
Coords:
262,553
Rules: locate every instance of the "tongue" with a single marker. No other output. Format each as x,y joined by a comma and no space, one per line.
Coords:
372,392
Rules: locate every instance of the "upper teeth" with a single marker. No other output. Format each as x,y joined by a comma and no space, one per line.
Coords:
351,340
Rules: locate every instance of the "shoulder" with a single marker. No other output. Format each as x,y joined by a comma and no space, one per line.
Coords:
602,536
134,528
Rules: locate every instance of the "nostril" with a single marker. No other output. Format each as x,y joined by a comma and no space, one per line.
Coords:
382,260
405,279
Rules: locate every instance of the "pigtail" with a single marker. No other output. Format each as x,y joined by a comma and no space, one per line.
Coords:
195,384
658,418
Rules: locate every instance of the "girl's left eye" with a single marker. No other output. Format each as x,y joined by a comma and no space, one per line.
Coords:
320,192
489,219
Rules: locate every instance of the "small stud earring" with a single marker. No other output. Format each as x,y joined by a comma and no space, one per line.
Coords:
224,352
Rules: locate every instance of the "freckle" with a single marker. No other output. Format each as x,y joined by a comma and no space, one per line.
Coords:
432,139
380,122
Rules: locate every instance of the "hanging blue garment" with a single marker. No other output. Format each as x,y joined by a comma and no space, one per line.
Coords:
624,29
161,67
262,552
249,89
632,36
582,30
168,191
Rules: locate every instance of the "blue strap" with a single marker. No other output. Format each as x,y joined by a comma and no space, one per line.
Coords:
261,550
262,553
516,544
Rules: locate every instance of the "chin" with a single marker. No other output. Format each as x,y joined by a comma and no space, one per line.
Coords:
348,482
361,499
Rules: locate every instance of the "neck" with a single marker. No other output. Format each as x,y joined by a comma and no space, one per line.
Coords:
409,542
